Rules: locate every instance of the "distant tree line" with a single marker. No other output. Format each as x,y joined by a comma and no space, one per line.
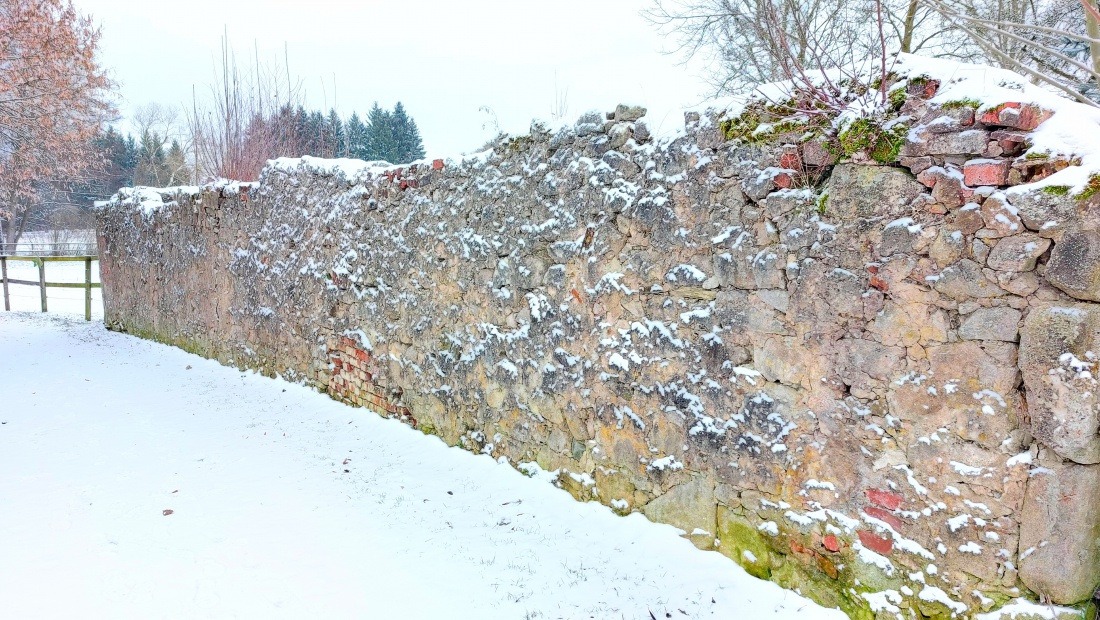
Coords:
157,158
59,151
386,135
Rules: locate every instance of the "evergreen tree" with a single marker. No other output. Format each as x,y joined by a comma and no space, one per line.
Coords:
385,135
315,132
335,139
380,142
114,168
406,136
301,133
176,164
356,137
151,169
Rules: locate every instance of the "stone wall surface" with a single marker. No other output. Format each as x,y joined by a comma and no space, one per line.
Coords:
867,377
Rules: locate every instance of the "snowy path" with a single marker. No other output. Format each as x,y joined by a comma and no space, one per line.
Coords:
102,432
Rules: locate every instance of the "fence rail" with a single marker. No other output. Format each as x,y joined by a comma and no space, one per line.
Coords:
42,284
74,249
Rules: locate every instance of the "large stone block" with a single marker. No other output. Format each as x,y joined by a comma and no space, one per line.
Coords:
1017,253
1060,532
866,364
964,280
1046,213
689,506
991,324
866,191
967,359
1074,264
1055,350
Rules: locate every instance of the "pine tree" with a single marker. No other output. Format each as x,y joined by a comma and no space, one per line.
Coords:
151,169
380,142
408,145
301,132
176,164
335,139
315,134
116,169
356,136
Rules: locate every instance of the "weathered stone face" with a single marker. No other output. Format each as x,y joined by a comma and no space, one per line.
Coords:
1074,264
1048,214
864,191
1017,253
991,324
814,371
1060,533
1058,351
965,280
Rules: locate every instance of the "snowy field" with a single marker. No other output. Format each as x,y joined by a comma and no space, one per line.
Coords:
286,504
68,301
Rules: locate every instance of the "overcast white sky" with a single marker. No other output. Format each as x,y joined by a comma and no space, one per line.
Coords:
443,59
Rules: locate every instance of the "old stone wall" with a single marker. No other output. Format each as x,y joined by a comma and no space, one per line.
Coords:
858,365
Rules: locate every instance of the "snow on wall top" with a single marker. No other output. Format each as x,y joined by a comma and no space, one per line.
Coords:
811,359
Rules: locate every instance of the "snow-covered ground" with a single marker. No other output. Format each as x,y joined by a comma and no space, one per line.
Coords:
286,504
63,300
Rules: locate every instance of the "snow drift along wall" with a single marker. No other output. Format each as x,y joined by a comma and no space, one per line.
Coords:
860,365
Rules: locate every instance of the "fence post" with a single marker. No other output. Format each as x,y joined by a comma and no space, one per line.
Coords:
42,281
88,288
4,275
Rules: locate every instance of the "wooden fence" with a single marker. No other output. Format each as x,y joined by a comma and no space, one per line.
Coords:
42,284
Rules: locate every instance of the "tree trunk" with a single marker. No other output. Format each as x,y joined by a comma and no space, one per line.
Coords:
1093,29
910,25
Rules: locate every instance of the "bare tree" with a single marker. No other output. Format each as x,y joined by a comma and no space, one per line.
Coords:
560,107
163,146
756,41
1056,42
54,97
243,122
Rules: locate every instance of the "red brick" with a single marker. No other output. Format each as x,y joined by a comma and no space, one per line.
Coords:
1010,141
885,499
986,172
831,543
884,516
437,164
790,160
362,355
1014,114
992,116
1031,116
876,543
929,176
